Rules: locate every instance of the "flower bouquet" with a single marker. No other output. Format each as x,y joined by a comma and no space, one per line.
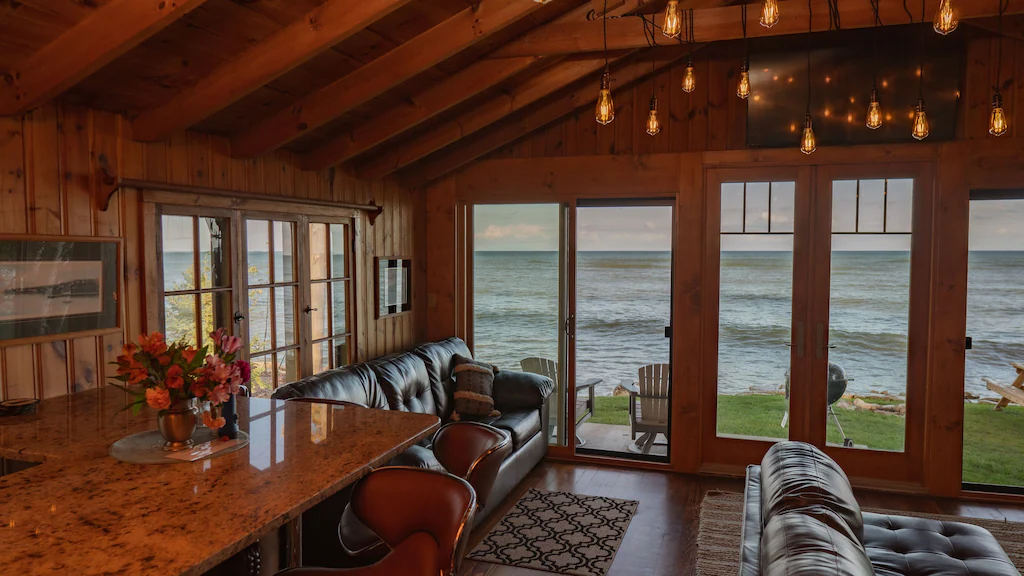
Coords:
172,377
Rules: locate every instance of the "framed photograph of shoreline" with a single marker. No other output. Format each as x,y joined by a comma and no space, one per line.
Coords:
57,285
393,276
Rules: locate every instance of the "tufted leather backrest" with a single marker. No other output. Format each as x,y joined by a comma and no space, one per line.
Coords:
797,544
796,475
439,359
403,378
355,383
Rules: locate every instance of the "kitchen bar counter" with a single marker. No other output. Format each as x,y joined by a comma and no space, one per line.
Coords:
82,512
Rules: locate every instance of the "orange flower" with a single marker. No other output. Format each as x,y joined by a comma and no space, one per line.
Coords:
189,354
153,343
213,423
163,359
175,377
138,374
158,398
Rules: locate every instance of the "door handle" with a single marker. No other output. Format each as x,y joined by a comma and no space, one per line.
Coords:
238,317
307,309
567,326
668,331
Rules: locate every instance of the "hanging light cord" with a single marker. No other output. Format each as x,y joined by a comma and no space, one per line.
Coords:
746,41
689,30
650,34
920,76
810,27
874,41
604,29
833,15
999,53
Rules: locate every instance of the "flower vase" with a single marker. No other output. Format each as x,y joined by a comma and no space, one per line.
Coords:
177,424
230,415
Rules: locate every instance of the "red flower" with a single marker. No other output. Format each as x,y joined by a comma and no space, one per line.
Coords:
244,370
175,377
163,359
153,344
189,354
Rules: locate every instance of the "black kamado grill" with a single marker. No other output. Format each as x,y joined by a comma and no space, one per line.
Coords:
836,381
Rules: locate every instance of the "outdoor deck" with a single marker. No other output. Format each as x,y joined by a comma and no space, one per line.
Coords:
614,438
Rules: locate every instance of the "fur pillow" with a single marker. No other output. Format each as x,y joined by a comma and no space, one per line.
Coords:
474,386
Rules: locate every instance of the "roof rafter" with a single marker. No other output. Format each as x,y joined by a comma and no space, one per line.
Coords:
407,60
713,24
516,127
317,31
113,30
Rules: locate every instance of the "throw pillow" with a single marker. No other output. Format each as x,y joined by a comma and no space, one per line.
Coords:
474,386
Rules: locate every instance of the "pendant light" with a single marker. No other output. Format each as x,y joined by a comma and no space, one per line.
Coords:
689,77
743,88
945,19
873,120
769,13
653,126
673,23
920,130
807,141
605,110
997,125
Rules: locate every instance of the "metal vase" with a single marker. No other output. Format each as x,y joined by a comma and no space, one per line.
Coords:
177,424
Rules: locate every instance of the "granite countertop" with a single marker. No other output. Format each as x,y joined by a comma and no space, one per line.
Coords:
82,512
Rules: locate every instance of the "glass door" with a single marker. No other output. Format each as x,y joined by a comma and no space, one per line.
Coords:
621,332
994,375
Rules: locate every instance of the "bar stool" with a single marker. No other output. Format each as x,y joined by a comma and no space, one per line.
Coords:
424,517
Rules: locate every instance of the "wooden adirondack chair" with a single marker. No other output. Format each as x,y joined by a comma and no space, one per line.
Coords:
649,406
584,406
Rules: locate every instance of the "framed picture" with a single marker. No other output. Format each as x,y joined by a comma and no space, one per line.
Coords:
53,285
393,286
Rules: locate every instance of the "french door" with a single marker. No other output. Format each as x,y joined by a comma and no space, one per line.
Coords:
819,332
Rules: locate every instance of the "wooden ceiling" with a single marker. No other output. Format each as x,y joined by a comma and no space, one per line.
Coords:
376,86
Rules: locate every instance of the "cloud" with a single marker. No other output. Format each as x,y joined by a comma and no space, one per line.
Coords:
776,217
516,231
651,225
1002,231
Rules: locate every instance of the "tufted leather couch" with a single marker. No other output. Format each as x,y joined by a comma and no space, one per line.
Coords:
800,519
421,381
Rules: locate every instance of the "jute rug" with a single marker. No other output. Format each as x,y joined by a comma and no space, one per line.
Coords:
721,518
559,532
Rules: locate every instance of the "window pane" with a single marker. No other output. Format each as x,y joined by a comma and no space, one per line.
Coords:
783,206
214,265
318,251
284,316
287,367
319,314
321,356
180,318
900,197
872,206
341,356
338,236
338,290
844,206
258,248
178,253
217,313
732,207
262,375
757,207
259,320
283,240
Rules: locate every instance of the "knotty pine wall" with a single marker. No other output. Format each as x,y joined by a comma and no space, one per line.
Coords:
48,165
712,117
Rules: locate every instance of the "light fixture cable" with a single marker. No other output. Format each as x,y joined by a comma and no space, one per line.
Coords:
997,125
743,88
807,140
873,120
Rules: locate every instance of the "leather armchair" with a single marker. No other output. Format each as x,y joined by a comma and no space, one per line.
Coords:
423,516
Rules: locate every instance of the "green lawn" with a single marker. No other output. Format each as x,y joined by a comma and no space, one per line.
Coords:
993,442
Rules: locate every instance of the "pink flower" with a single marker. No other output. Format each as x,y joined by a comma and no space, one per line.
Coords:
219,394
230,344
244,370
159,398
213,423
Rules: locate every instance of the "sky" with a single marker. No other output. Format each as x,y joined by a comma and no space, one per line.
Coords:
995,224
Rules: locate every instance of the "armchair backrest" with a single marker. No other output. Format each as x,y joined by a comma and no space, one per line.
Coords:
542,366
473,451
654,381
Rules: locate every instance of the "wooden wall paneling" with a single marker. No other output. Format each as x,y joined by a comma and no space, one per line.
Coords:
13,204
42,161
53,368
77,170
132,164
978,94
85,363
718,83
698,101
221,164
199,163
624,134
110,349
19,363
104,154
440,259
1017,48
588,132
643,143
381,240
177,157
737,138
1008,80
663,88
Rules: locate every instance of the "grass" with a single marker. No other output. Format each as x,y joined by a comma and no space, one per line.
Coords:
993,441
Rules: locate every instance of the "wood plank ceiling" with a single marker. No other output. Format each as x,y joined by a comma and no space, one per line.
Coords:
377,87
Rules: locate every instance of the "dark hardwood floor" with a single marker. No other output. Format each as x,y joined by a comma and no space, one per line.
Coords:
662,538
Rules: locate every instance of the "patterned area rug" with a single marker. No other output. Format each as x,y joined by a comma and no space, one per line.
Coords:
721,519
559,532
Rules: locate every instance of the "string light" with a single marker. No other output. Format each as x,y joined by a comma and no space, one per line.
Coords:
769,13
605,110
997,125
945,18
653,126
743,88
807,141
673,23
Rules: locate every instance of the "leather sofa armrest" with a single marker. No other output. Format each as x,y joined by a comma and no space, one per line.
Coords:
520,390
750,541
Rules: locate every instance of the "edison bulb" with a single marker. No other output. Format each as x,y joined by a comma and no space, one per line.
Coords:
769,13
673,20
920,121
807,142
874,117
945,19
689,79
743,88
997,125
605,111
653,126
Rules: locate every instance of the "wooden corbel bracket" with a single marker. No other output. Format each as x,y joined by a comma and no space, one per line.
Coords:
107,184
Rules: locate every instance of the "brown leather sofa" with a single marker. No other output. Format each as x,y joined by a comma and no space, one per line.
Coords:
421,381
801,519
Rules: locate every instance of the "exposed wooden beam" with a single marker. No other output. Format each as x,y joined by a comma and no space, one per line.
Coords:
1013,26
113,30
713,24
515,128
295,44
547,82
475,79
411,58
450,92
